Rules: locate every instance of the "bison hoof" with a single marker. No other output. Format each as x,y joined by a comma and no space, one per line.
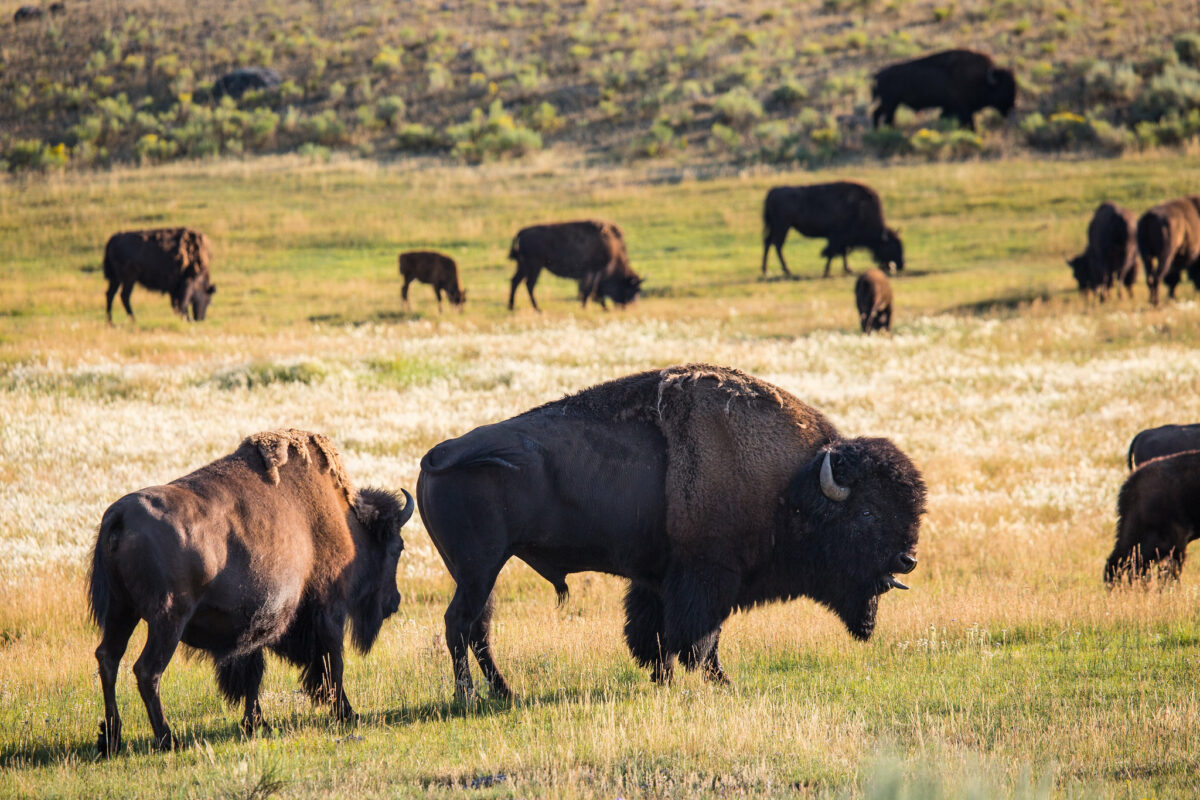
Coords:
108,743
167,743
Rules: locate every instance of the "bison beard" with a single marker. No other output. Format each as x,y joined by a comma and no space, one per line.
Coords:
732,494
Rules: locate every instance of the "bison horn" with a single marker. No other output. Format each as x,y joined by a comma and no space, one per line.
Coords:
890,580
829,486
409,507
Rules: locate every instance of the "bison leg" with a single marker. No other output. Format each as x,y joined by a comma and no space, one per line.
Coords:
775,238
322,676
466,609
437,292
404,293
240,679
108,298
126,291
644,632
845,266
697,597
530,282
481,646
118,627
713,672
516,281
161,641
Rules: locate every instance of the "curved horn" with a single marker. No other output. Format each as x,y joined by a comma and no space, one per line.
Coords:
409,507
829,486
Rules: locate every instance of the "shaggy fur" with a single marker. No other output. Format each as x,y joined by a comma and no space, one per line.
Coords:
684,481
959,82
1165,440
848,215
175,261
873,297
1158,514
1168,239
257,549
1111,253
436,269
590,251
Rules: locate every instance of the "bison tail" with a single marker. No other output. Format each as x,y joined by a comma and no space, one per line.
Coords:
99,589
514,250
110,269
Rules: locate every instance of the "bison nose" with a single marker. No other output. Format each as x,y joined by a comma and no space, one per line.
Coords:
907,563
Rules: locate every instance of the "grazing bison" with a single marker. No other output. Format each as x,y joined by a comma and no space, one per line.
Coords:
709,489
244,79
268,547
170,260
590,251
27,13
873,295
959,82
433,268
1158,513
1162,441
848,215
1111,253
1168,239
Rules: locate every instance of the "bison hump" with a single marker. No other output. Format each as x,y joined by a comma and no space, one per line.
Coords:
276,447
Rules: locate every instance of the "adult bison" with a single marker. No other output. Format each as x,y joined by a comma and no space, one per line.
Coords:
873,296
959,82
1111,254
1162,441
436,269
1168,239
245,79
590,251
268,547
1158,513
709,489
170,260
847,214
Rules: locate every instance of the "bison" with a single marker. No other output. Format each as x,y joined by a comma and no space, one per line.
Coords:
1168,239
245,79
433,268
709,489
1111,253
1162,441
170,260
959,82
27,14
590,251
873,296
269,547
847,214
1158,513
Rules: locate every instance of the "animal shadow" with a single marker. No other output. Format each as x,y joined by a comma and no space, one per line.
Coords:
1011,301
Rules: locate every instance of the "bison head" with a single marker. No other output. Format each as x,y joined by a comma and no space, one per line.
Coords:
853,516
373,596
1002,90
200,296
621,289
457,295
889,253
1143,552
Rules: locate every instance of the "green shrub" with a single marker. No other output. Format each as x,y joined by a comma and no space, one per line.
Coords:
492,134
887,142
391,109
325,129
1187,47
418,138
1176,90
1065,130
151,148
1107,83
657,141
738,108
728,137
545,118
788,94
32,154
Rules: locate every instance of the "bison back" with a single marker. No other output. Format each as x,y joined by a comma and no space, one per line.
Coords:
571,249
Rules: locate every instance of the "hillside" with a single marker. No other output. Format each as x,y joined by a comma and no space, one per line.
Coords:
763,81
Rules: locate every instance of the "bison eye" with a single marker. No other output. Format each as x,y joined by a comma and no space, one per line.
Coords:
866,512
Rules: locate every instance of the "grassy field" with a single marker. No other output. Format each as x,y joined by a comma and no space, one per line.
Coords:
1008,670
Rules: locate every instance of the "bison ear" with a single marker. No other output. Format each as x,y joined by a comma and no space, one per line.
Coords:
211,289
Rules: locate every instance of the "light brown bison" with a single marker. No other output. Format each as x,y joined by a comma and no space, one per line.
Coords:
436,269
1111,254
1164,440
170,260
847,214
591,252
709,489
873,296
1158,513
1168,238
271,547
959,82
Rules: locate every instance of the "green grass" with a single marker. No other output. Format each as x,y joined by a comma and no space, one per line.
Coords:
1007,671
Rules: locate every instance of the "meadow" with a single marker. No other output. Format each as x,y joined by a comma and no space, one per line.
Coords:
1007,671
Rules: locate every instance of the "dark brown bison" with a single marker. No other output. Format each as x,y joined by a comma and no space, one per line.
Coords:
848,215
1168,238
268,547
873,296
245,79
590,251
959,82
27,13
709,489
1158,513
170,260
436,269
1165,440
1111,253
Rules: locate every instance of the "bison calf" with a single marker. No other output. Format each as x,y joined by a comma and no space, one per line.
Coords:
1165,440
269,547
848,215
1168,239
436,269
590,251
170,260
873,295
1111,253
959,82
1158,513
